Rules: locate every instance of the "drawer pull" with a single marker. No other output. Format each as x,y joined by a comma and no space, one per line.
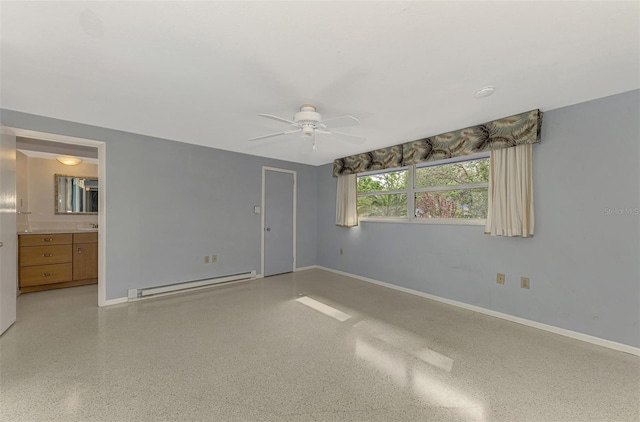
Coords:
47,239
47,254
47,274
79,250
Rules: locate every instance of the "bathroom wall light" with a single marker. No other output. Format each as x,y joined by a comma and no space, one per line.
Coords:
69,161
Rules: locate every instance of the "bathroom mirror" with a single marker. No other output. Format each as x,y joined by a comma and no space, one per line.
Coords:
76,195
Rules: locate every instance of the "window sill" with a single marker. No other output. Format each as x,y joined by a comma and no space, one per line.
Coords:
434,221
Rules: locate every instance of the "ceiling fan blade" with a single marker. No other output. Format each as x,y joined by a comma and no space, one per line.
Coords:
324,132
271,135
349,137
280,119
343,121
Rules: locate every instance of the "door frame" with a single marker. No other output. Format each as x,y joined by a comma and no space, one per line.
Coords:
9,251
102,196
295,184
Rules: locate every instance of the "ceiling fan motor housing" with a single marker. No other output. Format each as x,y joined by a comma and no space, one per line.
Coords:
308,119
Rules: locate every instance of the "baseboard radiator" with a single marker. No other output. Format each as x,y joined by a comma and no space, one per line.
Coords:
169,288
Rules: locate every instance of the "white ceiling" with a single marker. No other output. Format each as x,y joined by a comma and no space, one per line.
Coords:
200,72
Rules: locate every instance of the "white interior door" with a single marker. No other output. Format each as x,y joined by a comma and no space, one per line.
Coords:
279,220
8,230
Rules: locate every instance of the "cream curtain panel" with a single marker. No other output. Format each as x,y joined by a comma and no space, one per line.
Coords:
510,210
346,201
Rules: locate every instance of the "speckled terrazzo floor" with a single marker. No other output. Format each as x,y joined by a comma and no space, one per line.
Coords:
250,352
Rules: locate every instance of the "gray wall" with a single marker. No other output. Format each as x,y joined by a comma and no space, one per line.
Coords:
170,203
583,261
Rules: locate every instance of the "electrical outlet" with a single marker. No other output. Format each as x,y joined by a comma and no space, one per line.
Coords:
341,251
206,259
500,278
214,258
524,282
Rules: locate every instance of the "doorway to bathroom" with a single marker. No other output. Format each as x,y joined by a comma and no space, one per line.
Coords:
59,214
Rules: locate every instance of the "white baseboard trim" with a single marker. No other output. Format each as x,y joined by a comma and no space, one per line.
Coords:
556,330
310,267
117,301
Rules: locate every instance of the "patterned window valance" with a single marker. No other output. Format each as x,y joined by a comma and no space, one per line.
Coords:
379,159
520,129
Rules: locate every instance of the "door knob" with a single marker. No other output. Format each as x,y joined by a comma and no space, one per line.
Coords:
268,229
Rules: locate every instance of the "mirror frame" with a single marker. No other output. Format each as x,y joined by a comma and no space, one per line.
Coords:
55,195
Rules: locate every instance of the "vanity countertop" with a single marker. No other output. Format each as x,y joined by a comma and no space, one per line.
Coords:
53,231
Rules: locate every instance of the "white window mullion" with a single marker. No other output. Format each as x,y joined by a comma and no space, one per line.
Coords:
384,192
453,187
411,197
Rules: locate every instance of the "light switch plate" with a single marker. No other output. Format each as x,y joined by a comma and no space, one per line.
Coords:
256,210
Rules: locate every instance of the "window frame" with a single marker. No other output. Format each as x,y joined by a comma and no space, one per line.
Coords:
412,190
387,192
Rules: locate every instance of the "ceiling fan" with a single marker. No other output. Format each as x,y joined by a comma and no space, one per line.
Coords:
309,121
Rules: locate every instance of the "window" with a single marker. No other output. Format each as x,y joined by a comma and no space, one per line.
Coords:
455,190
450,191
383,194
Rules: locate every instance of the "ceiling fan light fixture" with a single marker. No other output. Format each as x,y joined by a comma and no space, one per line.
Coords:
307,130
69,161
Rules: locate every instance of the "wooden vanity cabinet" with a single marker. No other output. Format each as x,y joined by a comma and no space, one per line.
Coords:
85,256
53,261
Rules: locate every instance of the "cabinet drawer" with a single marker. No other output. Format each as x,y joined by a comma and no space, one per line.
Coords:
85,237
41,255
45,274
45,239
